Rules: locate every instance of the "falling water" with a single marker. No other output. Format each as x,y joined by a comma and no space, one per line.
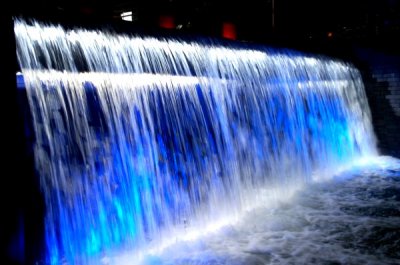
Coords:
136,137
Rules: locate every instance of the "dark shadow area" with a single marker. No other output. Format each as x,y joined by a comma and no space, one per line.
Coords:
22,205
381,74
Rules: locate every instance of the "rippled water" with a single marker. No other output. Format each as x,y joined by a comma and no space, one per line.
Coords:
353,218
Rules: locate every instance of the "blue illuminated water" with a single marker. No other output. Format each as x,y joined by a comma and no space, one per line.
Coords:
141,142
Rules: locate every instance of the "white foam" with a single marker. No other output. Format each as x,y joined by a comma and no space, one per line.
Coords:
347,220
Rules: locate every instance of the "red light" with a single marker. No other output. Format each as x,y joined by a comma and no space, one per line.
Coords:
86,10
229,31
167,22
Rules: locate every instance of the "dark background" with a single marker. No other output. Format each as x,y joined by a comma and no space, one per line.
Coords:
303,19
363,32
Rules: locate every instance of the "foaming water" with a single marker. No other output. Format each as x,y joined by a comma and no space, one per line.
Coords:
353,218
166,140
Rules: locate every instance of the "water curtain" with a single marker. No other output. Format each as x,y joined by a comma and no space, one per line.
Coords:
138,136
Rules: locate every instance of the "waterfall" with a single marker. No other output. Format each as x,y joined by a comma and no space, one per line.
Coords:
138,136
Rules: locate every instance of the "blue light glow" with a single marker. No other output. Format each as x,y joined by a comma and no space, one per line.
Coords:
163,134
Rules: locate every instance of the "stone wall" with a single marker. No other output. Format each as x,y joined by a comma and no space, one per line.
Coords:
381,74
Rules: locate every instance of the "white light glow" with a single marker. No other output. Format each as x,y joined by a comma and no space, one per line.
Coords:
268,198
127,16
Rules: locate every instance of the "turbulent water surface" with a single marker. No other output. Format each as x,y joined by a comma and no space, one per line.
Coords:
353,218
143,142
